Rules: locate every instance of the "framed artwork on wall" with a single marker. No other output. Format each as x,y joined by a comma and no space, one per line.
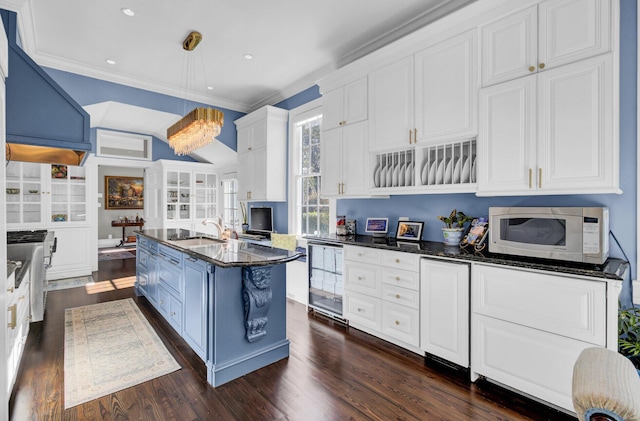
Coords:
409,230
123,192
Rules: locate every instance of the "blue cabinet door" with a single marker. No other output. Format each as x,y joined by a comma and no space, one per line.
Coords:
195,305
152,278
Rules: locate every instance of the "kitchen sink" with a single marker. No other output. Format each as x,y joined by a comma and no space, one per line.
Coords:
197,241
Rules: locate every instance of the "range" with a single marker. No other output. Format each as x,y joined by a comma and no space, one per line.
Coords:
35,249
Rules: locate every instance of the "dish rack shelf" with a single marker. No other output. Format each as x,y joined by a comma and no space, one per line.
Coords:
440,168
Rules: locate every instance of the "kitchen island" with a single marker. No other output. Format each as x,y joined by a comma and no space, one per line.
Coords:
226,298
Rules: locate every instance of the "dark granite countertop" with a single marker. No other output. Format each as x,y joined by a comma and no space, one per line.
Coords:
613,269
229,253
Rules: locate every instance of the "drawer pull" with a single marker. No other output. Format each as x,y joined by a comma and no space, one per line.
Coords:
398,296
21,297
397,323
12,319
173,313
10,289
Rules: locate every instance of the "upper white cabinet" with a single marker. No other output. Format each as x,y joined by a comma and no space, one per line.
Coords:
391,106
446,85
428,97
341,176
345,105
543,37
262,138
550,133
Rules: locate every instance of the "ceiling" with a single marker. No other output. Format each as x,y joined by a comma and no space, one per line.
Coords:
293,42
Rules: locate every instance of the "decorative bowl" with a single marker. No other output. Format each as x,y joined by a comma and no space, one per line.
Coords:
13,191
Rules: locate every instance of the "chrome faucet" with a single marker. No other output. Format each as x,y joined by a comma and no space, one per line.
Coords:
223,234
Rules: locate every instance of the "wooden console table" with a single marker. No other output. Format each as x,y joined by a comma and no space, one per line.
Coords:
124,225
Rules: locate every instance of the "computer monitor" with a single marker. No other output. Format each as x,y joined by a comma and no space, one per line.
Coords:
261,219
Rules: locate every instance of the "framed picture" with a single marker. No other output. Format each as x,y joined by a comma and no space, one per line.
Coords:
409,230
58,171
377,226
476,234
123,192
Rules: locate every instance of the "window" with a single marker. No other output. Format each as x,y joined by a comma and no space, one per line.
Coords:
230,215
309,212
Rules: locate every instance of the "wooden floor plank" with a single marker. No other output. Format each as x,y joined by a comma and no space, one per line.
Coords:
333,373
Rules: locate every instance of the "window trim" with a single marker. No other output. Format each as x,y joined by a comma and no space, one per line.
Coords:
300,113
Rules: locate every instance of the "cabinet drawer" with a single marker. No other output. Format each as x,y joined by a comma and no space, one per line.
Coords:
142,243
171,254
362,278
530,360
401,296
572,307
171,308
143,257
362,310
361,254
401,323
400,260
400,278
170,275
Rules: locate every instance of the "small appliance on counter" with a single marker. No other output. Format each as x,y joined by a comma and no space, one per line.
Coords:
563,233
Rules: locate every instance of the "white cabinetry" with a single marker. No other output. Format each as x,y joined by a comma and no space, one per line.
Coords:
444,310
528,328
181,195
543,37
382,294
344,173
17,324
445,105
262,137
550,133
345,105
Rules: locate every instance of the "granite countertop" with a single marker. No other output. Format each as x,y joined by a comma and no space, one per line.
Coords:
613,269
227,253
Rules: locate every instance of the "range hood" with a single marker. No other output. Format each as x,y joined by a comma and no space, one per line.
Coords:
44,124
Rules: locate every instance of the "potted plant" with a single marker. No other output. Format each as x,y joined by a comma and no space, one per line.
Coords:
454,229
629,334
245,224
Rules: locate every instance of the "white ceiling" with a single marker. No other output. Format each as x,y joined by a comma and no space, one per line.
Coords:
294,42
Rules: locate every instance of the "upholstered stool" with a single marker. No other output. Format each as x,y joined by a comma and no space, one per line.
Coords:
606,386
283,241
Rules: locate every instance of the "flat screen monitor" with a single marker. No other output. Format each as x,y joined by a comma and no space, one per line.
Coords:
377,226
261,219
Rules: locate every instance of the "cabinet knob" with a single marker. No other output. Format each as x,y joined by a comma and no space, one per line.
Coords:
532,68
360,278
173,313
21,297
11,289
249,148
397,322
398,296
397,278
541,65
342,123
359,310
397,260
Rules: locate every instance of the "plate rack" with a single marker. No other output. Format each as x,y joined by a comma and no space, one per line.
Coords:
395,169
447,164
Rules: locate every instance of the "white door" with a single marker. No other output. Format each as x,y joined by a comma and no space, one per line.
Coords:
245,175
331,162
576,148
391,105
355,170
259,174
507,137
447,89
355,102
332,109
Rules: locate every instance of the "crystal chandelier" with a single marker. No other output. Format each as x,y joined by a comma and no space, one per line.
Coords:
199,127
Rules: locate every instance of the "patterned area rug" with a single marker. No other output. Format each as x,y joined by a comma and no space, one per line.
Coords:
109,347
69,283
115,254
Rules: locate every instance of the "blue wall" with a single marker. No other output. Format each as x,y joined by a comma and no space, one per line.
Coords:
87,91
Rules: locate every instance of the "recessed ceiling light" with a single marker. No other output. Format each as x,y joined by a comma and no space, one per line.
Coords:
210,88
127,11
248,56
109,61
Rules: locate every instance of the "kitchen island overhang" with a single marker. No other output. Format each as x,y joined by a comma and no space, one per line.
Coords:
241,290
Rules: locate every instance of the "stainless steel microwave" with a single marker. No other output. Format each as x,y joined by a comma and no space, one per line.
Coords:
572,234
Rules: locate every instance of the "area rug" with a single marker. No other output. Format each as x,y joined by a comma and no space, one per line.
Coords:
67,283
109,347
115,254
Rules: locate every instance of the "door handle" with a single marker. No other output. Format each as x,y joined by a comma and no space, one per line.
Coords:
12,319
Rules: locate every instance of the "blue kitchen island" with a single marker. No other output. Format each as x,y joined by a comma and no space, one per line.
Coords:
226,298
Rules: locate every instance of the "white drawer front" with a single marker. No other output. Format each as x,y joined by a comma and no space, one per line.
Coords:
571,307
401,323
361,254
401,296
400,260
532,361
401,278
362,278
363,310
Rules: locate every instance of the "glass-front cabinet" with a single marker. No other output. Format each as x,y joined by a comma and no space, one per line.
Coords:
178,188
38,194
205,195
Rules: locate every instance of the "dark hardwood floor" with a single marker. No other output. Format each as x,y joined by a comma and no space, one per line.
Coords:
333,373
